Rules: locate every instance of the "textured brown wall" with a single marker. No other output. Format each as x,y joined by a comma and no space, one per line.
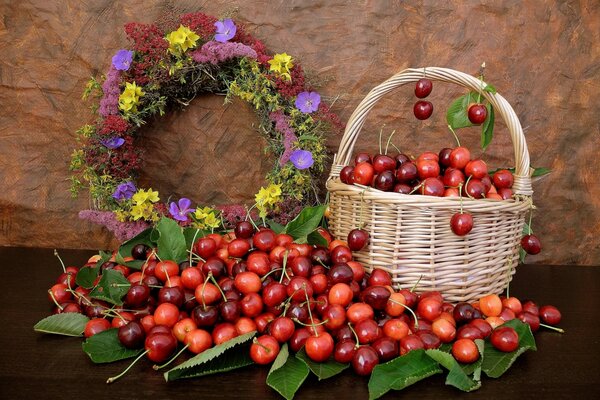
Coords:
543,56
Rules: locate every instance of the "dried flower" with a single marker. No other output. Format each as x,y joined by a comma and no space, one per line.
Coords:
214,52
302,159
308,102
109,104
225,30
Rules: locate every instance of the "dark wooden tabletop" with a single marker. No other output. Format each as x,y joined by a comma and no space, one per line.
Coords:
38,366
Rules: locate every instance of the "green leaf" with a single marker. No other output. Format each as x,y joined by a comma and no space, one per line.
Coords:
487,129
322,370
497,362
287,373
489,88
68,324
86,277
457,116
143,237
105,347
456,376
401,372
275,226
541,171
226,356
315,238
104,257
111,287
307,221
171,243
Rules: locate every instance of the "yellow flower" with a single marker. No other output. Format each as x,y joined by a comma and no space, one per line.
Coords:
141,211
130,96
143,196
281,64
274,191
202,213
181,40
212,221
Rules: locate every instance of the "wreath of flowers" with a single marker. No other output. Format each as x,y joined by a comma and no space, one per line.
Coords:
170,65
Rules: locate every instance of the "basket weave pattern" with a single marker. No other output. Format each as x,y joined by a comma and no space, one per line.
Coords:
410,235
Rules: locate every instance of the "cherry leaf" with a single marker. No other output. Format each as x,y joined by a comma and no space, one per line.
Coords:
487,129
401,372
105,347
86,277
111,287
456,376
287,373
306,222
457,116
497,362
192,235
322,370
67,324
171,242
233,354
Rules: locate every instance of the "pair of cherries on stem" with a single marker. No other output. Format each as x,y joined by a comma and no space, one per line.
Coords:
423,109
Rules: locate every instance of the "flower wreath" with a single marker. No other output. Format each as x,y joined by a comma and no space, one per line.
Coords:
201,55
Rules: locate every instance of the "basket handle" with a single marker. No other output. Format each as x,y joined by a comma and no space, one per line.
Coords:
522,175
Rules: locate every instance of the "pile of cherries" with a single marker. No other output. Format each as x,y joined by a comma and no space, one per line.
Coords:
311,297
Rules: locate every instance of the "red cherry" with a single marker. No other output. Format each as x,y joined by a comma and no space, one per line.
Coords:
96,325
361,158
465,351
407,172
461,224
365,359
505,193
505,338
550,315
530,319
319,348
459,157
444,156
432,187
357,239
503,178
423,109
476,168
453,177
363,173
475,189
383,162
160,346
264,349
423,88
531,244
477,114
428,169
385,181
347,175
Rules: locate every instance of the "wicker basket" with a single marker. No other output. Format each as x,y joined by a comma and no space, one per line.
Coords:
410,235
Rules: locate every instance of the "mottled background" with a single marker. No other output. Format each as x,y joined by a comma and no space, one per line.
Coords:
543,56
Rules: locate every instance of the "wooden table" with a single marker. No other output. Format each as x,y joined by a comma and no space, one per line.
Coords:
37,366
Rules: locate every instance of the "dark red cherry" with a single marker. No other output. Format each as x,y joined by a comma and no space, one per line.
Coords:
550,315
365,359
407,172
347,175
423,109
384,181
477,114
444,157
432,187
423,88
361,158
357,239
461,224
531,244
383,162
244,230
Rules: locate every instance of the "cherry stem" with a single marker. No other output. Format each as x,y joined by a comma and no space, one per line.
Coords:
455,136
60,259
212,278
407,308
313,325
388,141
380,133
460,197
312,321
285,257
355,335
265,348
157,367
416,284
114,378
269,273
416,188
554,328
466,184
192,245
54,300
530,218
395,147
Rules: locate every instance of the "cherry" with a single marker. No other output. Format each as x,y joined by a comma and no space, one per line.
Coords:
347,175
340,294
379,277
320,347
344,351
407,172
365,359
444,330
469,331
282,329
174,295
490,305
258,261
245,325
264,240
182,327
409,343
59,293
244,230
395,305
477,169
503,179
298,339
376,296
251,305
340,273
430,308
465,351
402,188
461,223
357,239
432,187
198,340
429,339
160,346
301,266
363,173
428,168
223,332
191,278
531,244
247,282
274,294
205,247
507,314
207,294
361,158
482,325
530,307
463,312
385,181
395,328
533,320
475,189
423,109
453,177
512,303
367,331
358,312
477,114
263,320
459,157
550,315
340,254
386,348
205,316
95,325
237,248
132,335
383,162
217,266
264,349
139,251
423,88
444,157
401,159
505,338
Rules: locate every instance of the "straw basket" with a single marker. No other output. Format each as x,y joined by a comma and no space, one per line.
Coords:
410,235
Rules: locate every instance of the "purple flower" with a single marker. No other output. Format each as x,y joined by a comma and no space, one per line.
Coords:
225,30
302,159
308,102
180,210
113,143
109,104
124,191
122,60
